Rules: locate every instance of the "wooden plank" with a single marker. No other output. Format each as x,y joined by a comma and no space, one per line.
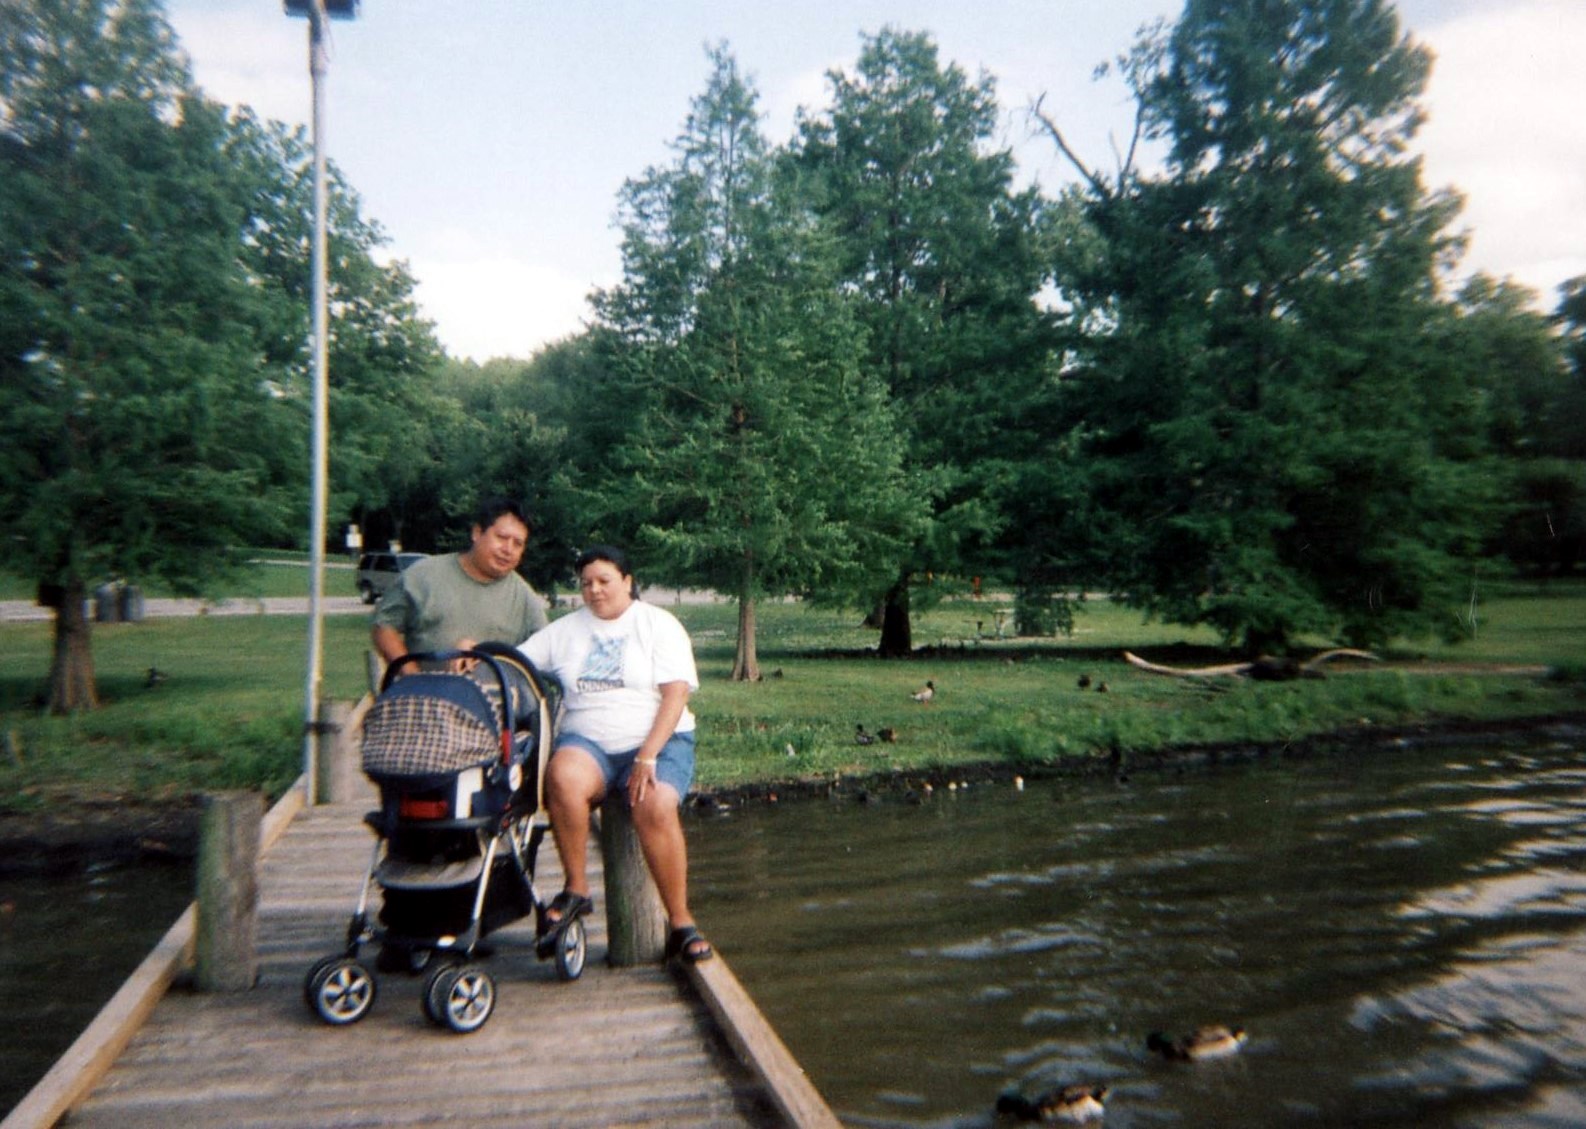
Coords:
615,1047
759,1046
77,1071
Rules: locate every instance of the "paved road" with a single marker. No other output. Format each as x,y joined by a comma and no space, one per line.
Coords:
25,611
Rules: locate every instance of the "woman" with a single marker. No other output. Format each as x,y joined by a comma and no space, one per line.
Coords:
626,669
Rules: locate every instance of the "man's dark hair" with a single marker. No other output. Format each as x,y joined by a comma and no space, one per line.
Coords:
493,506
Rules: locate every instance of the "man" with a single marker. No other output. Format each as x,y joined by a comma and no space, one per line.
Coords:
455,601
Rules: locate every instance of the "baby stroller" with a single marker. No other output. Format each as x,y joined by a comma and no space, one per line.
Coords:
459,760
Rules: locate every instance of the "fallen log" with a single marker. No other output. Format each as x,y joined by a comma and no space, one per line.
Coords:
1264,669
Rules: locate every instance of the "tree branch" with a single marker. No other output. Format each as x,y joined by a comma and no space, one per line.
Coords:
1050,126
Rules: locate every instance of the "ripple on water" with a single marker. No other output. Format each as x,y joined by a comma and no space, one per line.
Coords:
1403,936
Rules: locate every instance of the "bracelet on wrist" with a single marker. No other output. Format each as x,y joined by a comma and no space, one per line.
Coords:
645,760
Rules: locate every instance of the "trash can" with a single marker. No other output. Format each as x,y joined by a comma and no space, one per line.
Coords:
130,603
107,608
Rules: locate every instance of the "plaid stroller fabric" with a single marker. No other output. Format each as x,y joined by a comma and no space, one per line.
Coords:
428,724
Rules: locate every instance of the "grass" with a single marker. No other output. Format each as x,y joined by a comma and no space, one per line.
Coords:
272,572
1018,702
229,713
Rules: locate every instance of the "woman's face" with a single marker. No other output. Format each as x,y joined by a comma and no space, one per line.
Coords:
607,592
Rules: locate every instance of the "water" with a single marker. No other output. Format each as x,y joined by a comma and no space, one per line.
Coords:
1403,933
67,942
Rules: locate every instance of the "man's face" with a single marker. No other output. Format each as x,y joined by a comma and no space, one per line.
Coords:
497,550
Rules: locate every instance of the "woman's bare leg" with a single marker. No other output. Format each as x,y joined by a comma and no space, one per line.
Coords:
574,786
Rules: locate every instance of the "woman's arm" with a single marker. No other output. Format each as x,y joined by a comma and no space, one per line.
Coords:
674,697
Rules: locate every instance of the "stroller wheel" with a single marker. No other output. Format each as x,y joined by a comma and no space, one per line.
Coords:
437,985
571,948
460,997
340,990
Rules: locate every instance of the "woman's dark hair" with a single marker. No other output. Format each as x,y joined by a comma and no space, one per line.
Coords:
611,555
608,553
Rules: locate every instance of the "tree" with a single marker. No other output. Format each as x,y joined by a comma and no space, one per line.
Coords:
387,465
944,257
139,425
510,436
1570,317
1264,422
758,457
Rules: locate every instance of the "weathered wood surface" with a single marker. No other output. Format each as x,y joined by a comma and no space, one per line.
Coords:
635,918
616,1047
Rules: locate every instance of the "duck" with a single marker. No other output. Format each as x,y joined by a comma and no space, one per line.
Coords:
925,695
1071,1105
887,734
861,737
155,677
1084,682
1211,1041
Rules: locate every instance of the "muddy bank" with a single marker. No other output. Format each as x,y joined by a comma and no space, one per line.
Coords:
78,834
910,783
75,835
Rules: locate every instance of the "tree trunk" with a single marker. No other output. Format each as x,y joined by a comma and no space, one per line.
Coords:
72,683
897,638
746,658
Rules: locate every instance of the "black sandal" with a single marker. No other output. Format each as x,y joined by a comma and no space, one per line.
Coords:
688,943
567,906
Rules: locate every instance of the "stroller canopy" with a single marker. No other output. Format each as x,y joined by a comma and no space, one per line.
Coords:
430,724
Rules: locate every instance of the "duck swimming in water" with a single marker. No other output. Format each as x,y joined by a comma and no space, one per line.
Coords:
1071,1105
1212,1041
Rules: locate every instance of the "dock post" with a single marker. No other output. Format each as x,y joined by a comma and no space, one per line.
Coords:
335,760
228,892
635,918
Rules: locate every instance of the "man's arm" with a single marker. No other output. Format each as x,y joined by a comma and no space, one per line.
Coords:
392,618
388,641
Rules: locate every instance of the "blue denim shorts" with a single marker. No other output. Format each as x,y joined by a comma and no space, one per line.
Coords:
673,766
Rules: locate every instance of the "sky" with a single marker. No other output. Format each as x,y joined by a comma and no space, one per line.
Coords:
491,138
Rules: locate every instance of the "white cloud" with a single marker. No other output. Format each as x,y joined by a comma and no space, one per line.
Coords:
1505,130
255,57
492,304
780,106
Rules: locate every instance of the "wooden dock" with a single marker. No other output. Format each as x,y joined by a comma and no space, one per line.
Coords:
646,1046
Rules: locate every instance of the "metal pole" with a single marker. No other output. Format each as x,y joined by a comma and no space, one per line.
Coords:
318,64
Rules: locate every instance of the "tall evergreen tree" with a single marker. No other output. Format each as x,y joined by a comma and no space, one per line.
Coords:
1268,437
944,256
756,457
138,425
388,425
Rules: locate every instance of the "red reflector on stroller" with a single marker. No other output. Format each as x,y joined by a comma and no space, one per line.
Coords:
412,808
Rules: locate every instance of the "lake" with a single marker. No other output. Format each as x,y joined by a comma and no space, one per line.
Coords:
1402,932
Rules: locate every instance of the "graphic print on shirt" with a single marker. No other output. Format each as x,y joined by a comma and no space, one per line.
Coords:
603,666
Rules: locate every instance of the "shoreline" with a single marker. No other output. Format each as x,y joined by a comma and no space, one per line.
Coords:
1445,732
103,831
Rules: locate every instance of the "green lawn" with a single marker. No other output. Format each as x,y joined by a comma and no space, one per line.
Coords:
271,572
229,711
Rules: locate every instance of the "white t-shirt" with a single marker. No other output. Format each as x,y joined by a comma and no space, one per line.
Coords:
611,671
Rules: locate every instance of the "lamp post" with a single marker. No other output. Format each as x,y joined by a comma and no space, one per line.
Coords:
318,12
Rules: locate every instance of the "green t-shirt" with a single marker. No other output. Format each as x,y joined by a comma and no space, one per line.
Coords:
436,603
